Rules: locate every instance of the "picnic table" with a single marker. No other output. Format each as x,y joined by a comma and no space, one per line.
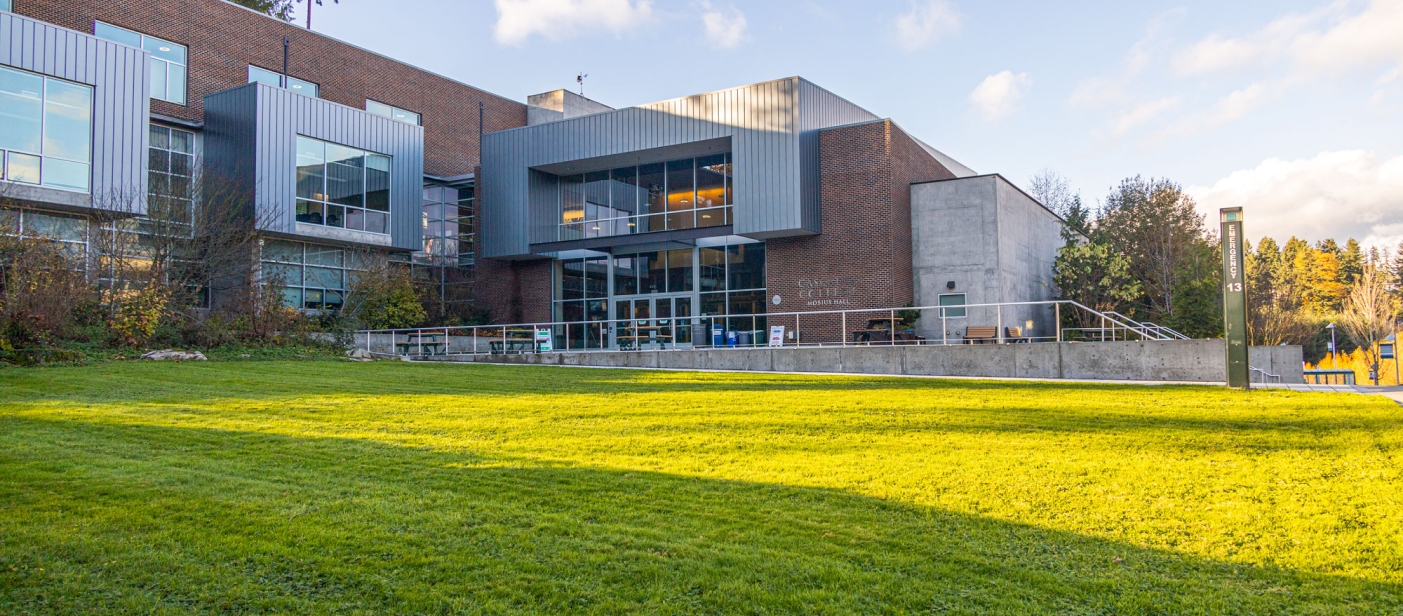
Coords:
633,336
512,341
431,342
881,331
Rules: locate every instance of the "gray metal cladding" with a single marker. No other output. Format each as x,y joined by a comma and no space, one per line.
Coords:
121,103
251,135
776,186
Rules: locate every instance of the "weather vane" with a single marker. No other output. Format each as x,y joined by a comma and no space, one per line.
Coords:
580,79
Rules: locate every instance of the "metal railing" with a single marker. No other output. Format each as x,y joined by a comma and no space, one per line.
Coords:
1265,375
820,328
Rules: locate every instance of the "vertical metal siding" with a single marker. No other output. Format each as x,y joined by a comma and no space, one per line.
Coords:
776,174
251,134
121,107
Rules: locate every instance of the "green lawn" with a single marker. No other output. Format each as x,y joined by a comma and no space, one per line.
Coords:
381,488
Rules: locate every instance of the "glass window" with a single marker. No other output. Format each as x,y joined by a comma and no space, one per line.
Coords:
597,277
278,80
679,271
303,87
168,60
746,266
340,186
652,267
320,283
952,299
681,194
258,75
713,269
22,98
625,275
647,198
169,170
45,130
394,113
572,279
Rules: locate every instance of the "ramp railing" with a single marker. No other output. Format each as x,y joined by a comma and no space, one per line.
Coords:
659,329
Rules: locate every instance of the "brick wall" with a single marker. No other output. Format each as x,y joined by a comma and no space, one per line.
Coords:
223,39
863,257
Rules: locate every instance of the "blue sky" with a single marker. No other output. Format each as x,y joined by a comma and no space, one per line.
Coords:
1291,109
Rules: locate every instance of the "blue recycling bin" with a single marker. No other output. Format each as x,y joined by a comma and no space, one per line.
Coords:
718,336
732,338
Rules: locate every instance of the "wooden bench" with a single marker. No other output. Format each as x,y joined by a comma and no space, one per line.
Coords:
1013,334
981,333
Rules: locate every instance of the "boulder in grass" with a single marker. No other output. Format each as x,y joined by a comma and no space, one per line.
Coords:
360,355
174,355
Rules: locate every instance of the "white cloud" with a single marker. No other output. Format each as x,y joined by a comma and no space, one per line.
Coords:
1123,122
1229,109
998,95
725,27
926,23
1340,194
556,20
1304,45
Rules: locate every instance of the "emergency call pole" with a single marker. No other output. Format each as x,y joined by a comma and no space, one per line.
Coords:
1234,299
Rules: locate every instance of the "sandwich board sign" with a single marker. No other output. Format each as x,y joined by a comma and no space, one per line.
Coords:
776,335
543,341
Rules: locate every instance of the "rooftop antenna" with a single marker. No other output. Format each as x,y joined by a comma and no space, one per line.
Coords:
580,79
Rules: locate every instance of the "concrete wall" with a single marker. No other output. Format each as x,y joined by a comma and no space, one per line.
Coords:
1200,361
560,105
994,242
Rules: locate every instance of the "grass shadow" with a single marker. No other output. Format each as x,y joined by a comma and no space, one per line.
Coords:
103,518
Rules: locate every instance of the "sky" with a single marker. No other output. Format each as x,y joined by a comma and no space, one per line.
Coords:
1290,109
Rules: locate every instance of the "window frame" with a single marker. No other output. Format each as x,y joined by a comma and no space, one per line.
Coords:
418,118
284,81
141,44
327,202
947,310
41,156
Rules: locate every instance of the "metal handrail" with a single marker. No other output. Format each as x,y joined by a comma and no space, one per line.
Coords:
1265,375
562,330
1159,332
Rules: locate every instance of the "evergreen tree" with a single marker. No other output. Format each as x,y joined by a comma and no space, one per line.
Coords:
1351,263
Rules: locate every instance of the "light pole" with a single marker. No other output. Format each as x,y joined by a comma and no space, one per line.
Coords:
1334,357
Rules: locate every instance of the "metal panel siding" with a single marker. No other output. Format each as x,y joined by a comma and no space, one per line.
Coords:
121,108
764,121
251,134
818,109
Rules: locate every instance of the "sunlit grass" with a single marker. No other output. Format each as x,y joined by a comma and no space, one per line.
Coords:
387,487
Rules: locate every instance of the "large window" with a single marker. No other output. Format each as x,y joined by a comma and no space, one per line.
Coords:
69,232
952,299
45,130
313,276
168,179
168,60
679,194
448,224
394,113
339,186
279,80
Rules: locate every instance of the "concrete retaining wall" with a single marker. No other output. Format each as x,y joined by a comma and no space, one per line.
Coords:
1181,360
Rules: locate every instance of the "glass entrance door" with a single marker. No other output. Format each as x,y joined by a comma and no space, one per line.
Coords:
652,323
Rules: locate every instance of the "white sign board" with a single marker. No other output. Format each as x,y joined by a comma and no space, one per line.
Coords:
776,335
543,341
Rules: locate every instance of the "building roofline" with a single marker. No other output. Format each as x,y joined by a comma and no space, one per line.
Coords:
1006,181
370,51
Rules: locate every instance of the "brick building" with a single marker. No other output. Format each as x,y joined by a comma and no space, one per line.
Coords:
776,197
735,209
